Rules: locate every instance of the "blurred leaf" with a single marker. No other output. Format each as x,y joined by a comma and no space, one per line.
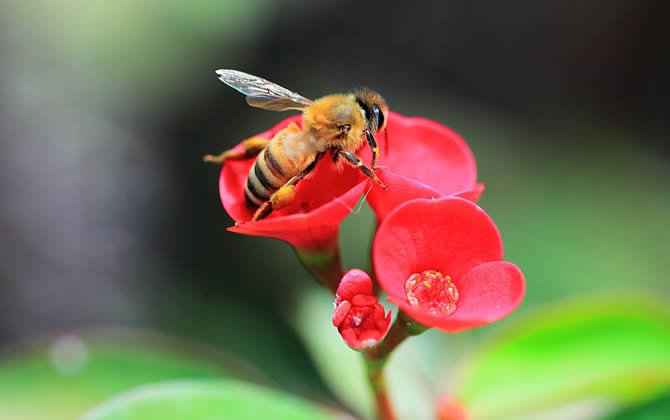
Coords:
657,409
64,377
614,349
204,399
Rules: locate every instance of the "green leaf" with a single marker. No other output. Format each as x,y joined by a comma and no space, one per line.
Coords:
614,349
656,409
63,377
205,399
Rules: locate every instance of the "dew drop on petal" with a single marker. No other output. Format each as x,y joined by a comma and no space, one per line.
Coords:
452,292
412,281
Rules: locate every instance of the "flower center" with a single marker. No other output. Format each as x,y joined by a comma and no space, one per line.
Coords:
431,291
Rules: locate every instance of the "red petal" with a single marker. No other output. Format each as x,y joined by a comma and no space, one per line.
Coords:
349,337
472,194
489,292
400,190
369,338
316,229
428,152
363,300
341,312
355,282
450,235
382,321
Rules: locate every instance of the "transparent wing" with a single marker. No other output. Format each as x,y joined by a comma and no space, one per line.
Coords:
262,93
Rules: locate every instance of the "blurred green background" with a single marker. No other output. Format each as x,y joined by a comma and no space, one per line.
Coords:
109,218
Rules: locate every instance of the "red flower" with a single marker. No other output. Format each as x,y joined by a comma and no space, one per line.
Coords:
423,159
441,262
449,408
358,316
311,222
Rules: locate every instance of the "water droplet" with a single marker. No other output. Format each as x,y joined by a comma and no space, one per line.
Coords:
452,292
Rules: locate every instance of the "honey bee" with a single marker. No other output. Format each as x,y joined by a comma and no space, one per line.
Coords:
340,124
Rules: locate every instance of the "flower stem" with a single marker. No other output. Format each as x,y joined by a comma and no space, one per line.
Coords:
325,265
377,356
403,327
375,370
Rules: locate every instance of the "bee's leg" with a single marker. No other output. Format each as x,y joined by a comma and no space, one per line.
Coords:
285,194
251,147
373,146
356,161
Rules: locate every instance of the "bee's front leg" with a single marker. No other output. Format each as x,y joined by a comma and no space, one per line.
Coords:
250,148
373,146
357,162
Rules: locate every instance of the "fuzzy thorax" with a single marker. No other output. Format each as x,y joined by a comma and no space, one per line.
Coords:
338,120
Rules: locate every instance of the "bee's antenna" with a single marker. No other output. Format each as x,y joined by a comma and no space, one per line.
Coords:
360,205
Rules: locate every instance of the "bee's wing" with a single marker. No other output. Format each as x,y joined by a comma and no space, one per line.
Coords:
262,93
299,143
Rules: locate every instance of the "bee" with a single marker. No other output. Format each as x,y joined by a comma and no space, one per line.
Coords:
340,124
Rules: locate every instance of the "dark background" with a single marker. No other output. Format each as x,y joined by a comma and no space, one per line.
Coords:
108,216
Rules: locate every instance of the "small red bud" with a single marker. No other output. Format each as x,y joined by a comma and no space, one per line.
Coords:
358,316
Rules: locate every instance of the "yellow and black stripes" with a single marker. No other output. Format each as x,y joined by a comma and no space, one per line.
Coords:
265,177
283,195
273,164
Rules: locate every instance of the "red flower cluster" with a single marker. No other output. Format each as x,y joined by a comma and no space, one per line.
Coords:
436,253
358,316
438,256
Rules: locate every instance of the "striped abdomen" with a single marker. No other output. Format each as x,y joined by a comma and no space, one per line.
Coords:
265,177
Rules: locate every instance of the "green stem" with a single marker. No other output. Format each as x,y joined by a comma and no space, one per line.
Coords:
403,327
325,265
377,356
375,370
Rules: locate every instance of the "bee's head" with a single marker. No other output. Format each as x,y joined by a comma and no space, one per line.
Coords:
374,109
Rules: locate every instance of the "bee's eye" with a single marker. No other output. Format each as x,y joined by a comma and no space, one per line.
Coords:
379,116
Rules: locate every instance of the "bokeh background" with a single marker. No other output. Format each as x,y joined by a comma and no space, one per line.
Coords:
108,217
